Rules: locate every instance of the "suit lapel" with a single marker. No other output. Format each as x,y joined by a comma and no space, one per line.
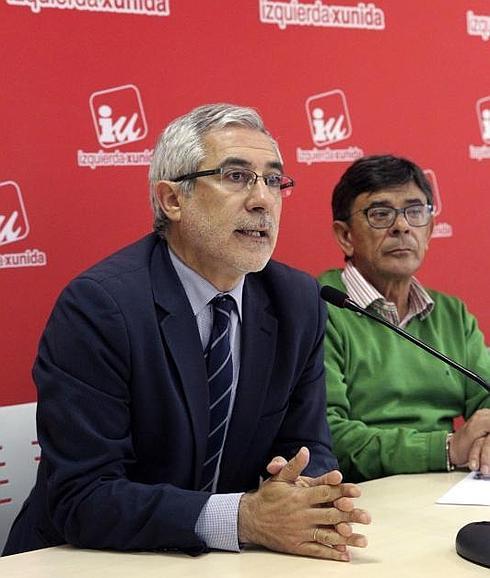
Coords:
181,337
258,347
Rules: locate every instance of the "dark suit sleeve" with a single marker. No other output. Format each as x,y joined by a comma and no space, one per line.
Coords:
83,372
305,422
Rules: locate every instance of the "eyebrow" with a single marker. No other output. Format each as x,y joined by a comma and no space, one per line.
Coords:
238,161
408,202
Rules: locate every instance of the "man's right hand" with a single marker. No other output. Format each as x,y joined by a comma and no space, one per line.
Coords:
471,443
300,515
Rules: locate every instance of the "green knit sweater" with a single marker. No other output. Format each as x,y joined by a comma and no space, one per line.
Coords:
391,404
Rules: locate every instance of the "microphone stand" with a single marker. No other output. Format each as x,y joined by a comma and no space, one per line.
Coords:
349,304
473,539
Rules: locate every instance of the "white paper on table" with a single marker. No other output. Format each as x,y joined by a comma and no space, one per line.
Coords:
473,490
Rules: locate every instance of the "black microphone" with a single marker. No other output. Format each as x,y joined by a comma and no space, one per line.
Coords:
473,540
339,299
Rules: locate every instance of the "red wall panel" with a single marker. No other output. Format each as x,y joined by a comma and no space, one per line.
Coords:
404,77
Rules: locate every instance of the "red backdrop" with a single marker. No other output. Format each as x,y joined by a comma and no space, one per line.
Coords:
87,85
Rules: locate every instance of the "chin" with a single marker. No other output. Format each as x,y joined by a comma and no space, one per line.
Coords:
401,273
252,265
403,267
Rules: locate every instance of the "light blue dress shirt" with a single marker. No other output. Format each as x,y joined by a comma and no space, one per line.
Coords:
217,524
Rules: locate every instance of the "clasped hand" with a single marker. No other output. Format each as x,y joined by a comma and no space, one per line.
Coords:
471,443
302,515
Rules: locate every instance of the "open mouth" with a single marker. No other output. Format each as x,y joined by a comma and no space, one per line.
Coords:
253,233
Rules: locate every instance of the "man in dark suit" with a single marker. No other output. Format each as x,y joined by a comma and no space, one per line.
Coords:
125,410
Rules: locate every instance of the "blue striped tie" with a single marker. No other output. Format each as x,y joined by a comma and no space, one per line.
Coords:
220,378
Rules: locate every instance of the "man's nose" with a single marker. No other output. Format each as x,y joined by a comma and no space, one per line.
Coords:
260,195
400,223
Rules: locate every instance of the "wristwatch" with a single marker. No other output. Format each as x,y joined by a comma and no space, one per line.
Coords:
449,465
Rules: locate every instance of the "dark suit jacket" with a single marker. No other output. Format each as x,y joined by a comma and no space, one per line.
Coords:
123,408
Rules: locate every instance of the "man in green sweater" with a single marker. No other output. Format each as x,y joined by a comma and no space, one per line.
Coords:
390,404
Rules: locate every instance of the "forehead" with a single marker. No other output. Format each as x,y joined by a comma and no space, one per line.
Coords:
250,145
399,195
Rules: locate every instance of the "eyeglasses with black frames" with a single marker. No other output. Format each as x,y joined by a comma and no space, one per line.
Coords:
238,179
381,217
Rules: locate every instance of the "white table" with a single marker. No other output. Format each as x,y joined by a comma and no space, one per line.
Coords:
410,537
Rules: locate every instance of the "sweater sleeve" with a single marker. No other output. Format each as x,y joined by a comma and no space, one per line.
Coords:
366,452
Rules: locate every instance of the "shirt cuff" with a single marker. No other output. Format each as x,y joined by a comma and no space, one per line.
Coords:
437,455
217,524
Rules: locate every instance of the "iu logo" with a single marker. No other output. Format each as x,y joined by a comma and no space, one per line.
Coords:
483,113
431,177
118,116
328,116
13,218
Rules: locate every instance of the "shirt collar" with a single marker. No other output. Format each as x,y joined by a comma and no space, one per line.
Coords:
366,295
199,290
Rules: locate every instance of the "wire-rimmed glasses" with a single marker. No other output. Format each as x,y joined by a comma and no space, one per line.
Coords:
239,179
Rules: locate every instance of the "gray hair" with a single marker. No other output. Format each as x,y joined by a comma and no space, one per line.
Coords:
180,150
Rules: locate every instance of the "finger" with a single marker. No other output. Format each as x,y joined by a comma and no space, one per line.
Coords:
479,423
485,456
333,478
276,465
344,504
328,516
326,494
474,454
330,537
351,490
358,516
325,552
292,469
361,517
357,540
333,516
344,529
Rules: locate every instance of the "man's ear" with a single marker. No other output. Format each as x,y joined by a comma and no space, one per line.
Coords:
169,198
341,231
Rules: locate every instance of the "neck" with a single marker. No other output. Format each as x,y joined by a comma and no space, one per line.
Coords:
399,296
395,290
215,276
